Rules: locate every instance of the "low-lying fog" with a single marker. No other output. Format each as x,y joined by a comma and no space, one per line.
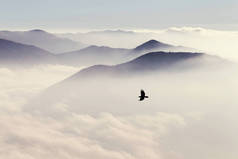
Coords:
216,42
190,115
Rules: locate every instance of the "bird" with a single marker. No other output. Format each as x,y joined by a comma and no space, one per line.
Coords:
142,95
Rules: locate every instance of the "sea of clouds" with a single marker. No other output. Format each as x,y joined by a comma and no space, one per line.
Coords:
206,129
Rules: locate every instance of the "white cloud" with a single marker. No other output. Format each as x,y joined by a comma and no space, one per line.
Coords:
17,86
82,136
183,130
23,135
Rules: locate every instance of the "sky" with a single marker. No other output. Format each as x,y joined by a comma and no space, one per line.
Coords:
74,15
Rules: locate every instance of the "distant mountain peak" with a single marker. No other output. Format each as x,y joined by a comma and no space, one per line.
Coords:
151,44
96,48
42,39
150,63
152,41
37,30
118,31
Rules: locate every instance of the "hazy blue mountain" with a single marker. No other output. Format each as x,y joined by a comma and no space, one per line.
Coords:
122,39
106,55
16,53
94,55
154,45
112,32
151,45
42,39
153,62
13,53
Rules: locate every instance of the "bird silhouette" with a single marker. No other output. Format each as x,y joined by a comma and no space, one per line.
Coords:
142,95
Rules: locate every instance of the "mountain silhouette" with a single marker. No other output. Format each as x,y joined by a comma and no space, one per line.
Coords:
110,56
42,39
154,45
150,63
12,53
112,32
94,55
151,45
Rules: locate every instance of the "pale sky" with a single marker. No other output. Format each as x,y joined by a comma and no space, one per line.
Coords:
114,14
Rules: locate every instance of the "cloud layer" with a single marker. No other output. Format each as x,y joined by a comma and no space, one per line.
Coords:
184,130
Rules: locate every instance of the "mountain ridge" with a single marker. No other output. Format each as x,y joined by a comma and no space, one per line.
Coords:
150,62
109,55
14,53
42,39
150,45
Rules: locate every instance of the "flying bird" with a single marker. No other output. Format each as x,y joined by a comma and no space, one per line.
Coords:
142,95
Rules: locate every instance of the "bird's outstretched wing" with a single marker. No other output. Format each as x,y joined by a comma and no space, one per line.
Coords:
142,93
